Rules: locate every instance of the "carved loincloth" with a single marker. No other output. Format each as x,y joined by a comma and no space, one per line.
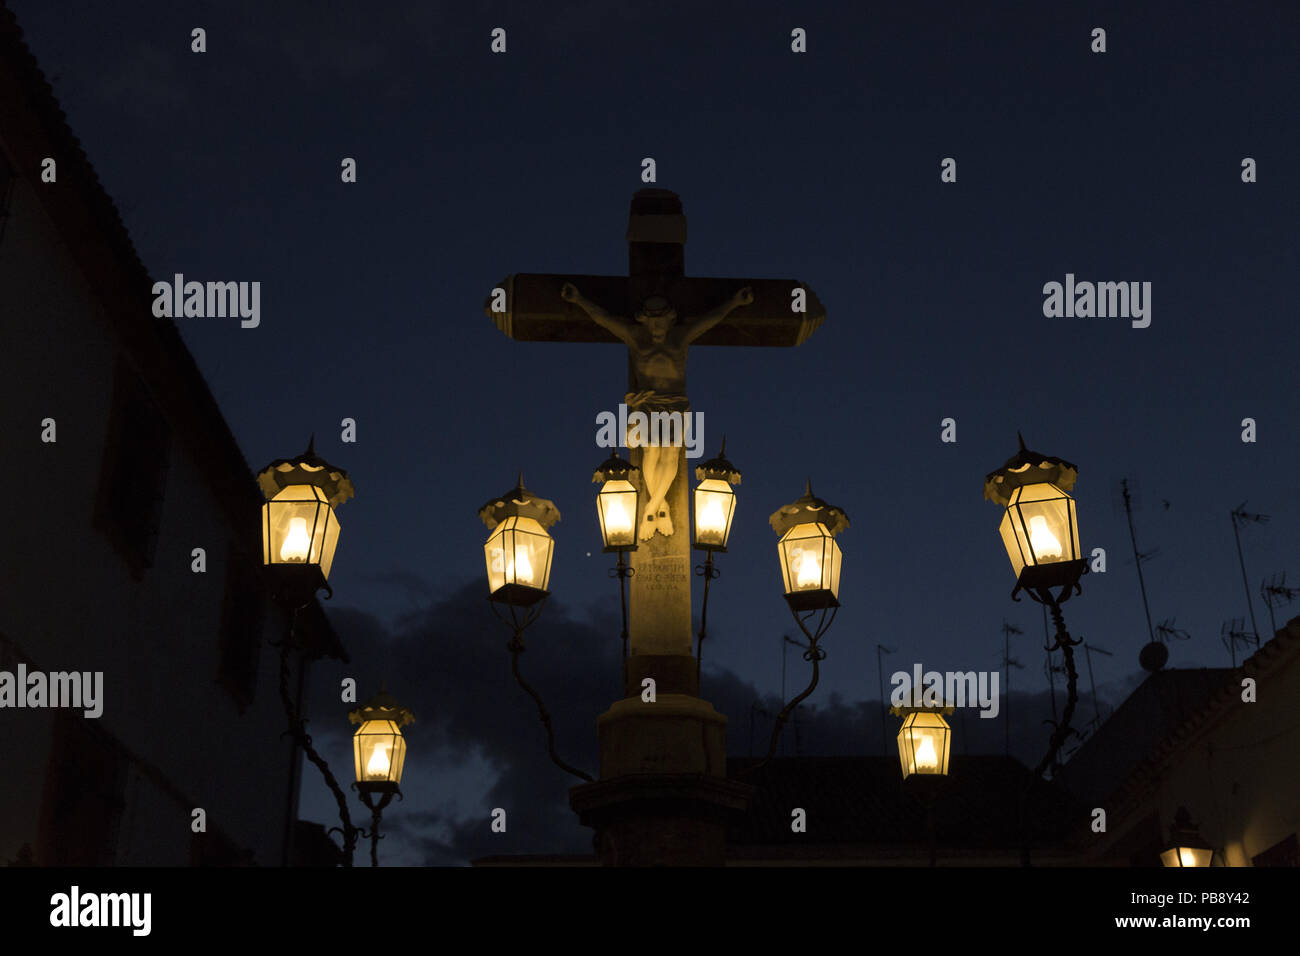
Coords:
649,402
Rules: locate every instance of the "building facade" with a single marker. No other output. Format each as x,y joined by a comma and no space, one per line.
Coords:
129,546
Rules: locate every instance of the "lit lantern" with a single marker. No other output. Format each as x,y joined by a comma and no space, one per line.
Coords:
299,528
923,744
519,549
715,502
810,557
1039,529
378,747
1186,846
616,503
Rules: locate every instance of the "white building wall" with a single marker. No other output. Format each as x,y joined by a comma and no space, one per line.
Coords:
70,602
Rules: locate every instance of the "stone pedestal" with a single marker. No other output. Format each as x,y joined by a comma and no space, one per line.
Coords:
663,798
660,819
675,734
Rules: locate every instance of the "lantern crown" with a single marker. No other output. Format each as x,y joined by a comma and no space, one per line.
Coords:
945,709
1184,833
307,469
519,502
1028,468
719,468
807,510
383,706
614,468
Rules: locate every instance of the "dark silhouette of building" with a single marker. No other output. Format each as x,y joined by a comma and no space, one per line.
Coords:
118,465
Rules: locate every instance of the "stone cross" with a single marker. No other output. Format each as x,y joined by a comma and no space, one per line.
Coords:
657,312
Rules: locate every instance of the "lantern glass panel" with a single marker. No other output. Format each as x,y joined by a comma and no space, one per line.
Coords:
1040,527
810,559
923,743
616,507
715,506
379,752
1186,856
299,527
518,551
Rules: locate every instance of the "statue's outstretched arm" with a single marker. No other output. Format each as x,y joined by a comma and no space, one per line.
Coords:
708,320
619,326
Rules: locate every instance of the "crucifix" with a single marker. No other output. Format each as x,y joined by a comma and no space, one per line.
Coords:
658,314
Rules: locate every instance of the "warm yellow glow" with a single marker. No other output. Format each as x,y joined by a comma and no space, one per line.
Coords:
377,766
712,521
1045,544
616,507
1186,856
923,744
808,573
618,522
926,758
1039,526
297,543
299,527
379,752
521,569
518,552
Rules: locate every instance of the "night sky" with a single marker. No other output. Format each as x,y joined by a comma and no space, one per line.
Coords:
823,167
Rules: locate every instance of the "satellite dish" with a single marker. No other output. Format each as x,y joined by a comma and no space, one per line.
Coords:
1153,657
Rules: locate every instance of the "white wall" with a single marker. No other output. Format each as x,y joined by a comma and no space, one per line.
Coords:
70,602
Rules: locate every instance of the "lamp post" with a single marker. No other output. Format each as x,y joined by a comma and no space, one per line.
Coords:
300,533
379,756
924,744
617,508
715,508
810,569
1186,847
1040,532
518,553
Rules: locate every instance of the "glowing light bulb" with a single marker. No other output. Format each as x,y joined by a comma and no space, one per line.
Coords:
1187,858
1041,539
378,764
713,522
808,573
297,543
618,523
523,567
927,759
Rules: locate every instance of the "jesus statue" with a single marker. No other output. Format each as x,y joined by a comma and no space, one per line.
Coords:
657,344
